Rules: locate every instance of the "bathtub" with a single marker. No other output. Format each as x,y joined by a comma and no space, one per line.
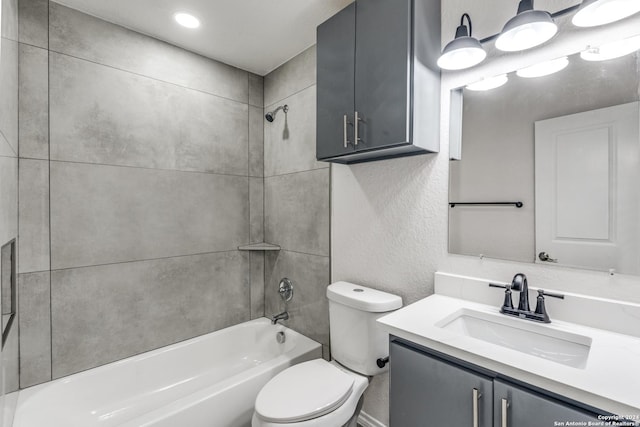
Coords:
208,381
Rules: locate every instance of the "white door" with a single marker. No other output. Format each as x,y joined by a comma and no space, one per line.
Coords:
588,189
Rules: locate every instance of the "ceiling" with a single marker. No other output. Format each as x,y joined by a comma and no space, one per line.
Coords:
255,35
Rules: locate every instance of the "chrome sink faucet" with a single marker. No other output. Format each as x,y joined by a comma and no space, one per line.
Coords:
282,316
519,284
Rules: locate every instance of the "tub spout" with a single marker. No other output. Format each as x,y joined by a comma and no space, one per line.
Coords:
282,316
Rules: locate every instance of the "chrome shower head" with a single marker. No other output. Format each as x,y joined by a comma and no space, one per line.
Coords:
270,116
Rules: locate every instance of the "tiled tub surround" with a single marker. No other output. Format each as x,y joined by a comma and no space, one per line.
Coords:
9,147
140,175
214,378
296,200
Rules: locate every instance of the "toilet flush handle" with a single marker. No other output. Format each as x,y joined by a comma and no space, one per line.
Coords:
382,362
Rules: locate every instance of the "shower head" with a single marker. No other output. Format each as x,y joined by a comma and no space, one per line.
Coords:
271,115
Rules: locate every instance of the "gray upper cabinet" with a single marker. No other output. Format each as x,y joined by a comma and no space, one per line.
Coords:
378,83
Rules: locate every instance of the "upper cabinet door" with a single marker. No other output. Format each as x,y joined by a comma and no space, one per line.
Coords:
336,65
383,72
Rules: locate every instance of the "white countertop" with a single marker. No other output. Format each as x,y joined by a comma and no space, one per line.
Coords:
610,380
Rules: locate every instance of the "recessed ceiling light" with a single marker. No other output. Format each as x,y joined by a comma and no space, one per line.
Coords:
489,83
186,20
544,68
612,50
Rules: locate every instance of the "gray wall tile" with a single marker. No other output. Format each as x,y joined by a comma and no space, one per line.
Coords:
105,313
297,211
257,284
291,77
11,360
107,214
6,150
290,141
35,328
8,199
86,37
34,102
9,91
108,116
34,215
256,141
10,19
256,90
256,208
33,26
309,308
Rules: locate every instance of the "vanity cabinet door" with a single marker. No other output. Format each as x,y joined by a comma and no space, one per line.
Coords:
428,392
529,409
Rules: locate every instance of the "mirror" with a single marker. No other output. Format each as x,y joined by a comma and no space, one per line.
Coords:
566,146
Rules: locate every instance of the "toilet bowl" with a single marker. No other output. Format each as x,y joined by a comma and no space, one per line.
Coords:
329,394
312,394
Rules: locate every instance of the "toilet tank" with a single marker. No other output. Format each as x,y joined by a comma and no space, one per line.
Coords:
357,341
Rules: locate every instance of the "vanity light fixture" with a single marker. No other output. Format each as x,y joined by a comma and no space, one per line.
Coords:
544,68
186,20
612,50
488,83
464,51
529,28
599,12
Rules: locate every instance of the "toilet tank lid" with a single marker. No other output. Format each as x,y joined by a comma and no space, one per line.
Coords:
363,298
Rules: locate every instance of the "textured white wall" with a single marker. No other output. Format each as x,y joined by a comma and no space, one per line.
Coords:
389,218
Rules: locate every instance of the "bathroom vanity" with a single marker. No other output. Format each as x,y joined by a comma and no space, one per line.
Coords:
456,360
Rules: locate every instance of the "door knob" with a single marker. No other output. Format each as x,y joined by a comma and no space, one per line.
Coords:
543,256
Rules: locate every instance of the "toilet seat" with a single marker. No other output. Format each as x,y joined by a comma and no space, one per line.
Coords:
303,392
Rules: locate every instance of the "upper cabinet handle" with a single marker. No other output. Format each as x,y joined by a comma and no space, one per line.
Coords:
357,121
346,138
476,396
505,405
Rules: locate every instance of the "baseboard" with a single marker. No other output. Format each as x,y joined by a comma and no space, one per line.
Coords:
366,420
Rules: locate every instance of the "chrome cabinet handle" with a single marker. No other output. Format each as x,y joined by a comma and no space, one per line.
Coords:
543,256
476,396
505,405
357,121
346,138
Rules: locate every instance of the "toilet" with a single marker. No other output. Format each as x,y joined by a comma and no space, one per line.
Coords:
329,394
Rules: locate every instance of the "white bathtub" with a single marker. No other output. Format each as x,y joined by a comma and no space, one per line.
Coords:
209,381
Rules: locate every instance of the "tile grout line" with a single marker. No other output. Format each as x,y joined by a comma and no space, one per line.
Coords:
144,260
49,189
291,95
151,78
141,167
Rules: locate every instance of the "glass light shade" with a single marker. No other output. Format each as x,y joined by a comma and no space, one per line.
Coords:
186,20
526,30
612,50
461,53
489,83
599,12
544,68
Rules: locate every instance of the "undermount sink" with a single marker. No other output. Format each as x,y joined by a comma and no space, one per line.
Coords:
534,339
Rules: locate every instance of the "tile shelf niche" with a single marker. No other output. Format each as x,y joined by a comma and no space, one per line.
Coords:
259,247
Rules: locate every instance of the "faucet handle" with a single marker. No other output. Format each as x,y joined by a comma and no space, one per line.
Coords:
508,302
542,292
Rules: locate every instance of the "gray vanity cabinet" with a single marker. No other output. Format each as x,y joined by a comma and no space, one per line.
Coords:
427,390
378,87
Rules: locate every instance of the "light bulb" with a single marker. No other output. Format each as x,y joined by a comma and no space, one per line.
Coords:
544,68
186,20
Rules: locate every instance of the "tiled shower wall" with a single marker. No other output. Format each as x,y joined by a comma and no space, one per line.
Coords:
141,172
296,200
8,176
